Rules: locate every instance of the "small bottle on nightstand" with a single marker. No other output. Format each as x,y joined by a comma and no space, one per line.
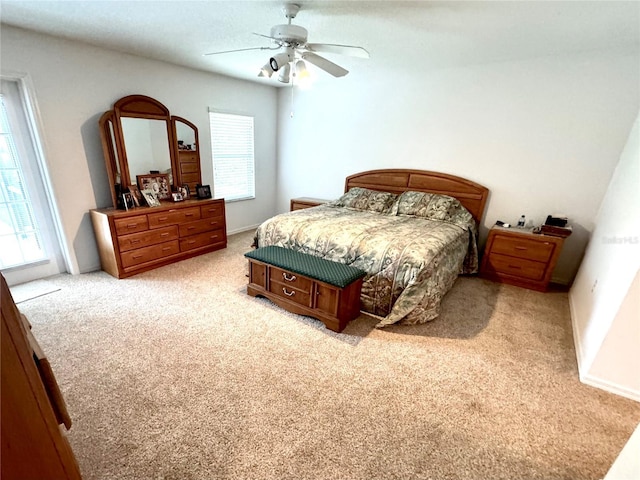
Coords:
522,222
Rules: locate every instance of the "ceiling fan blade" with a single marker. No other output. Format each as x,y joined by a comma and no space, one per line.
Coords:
241,50
265,36
350,50
324,64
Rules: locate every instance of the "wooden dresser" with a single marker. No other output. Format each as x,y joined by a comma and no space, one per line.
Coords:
140,239
33,442
520,257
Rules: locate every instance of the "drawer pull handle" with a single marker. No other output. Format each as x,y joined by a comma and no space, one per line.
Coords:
292,278
521,248
515,267
134,241
135,257
162,219
191,227
166,248
188,214
165,234
288,294
191,242
213,224
132,225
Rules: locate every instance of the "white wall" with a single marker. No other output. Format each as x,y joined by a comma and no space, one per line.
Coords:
605,297
544,134
75,83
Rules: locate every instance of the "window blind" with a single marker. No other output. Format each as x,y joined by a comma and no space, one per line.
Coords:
233,155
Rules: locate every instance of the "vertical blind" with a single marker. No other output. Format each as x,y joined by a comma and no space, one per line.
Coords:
233,159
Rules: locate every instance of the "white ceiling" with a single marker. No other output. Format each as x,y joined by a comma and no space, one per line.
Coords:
417,36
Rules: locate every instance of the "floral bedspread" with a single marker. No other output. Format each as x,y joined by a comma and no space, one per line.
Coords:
411,261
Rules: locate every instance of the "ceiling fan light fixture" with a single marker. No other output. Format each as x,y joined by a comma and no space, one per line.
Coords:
303,77
279,60
285,73
266,71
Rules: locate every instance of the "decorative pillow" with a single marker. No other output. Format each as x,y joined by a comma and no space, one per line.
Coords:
432,206
364,199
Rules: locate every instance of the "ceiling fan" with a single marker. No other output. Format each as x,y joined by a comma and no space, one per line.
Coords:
293,51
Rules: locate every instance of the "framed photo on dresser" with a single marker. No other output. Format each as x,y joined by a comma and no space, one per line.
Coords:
150,197
158,183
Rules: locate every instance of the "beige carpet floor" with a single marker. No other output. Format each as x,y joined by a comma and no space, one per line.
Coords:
178,374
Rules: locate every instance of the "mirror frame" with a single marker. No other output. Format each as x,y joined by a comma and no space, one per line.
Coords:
132,106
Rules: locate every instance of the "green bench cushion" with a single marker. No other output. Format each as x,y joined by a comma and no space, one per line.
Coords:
333,273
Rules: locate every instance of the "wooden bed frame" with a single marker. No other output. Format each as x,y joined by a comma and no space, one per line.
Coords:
471,195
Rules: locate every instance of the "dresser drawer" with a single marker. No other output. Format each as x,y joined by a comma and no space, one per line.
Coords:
202,240
204,225
173,217
518,267
146,254
131,224
212,210
189,168
186,156
536,250
191,178
148,237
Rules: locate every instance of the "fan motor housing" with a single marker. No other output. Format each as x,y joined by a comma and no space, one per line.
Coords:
291,34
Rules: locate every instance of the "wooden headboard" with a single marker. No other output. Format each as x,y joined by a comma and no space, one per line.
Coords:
471,195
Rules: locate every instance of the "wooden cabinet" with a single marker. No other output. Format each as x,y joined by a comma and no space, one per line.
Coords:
520,257
33,442
134,241
305,202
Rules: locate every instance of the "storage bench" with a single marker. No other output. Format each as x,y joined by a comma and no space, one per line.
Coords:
307,285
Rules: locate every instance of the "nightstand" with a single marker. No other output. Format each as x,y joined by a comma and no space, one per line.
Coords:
520,257
305,202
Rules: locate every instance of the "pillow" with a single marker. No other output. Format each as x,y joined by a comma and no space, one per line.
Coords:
364,199
432,206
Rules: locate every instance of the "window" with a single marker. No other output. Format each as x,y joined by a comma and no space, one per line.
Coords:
29,236
20,237
233,161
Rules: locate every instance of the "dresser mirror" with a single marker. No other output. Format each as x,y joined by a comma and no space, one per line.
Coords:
147,145
139,136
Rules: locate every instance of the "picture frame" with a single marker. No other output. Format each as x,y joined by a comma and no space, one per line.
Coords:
127,201
150,197
185,191
203,191
137,196
177,197
157,183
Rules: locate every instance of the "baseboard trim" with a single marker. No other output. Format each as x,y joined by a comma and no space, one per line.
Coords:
591,380
577,345
610,387
243,229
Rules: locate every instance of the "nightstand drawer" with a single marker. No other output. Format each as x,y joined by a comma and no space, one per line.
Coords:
536,250
518,267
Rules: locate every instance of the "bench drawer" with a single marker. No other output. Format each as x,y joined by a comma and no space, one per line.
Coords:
290,280
290,293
